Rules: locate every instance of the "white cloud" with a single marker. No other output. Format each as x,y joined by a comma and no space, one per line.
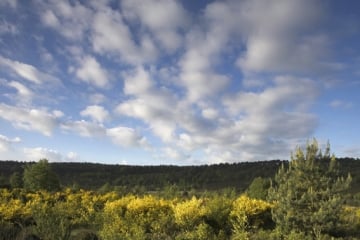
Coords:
278,36
91,72
84,128
96,113
50,19
27,71
5,143
35,154
163,18
72,156
137,82
203,50
25,93
125,137
110,35
30,119
209,113
170,153
70,20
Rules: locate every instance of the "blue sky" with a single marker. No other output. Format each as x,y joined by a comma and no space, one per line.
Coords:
177,82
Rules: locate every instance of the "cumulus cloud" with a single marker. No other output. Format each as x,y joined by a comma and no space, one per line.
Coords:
90,71
221,86
125,137
50,19
30,119
111,36
278,36
153,106
96,113
197,64
138,82
84,128
37,153
5,142
163,19
25,94
27,72
70,20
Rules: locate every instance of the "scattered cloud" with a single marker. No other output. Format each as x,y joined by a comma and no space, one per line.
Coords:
24,93
84,128
125,137
37,153
30,119
279,36
90,71
5,143
229,81
111,36
26,71
164,26
97,113
70,20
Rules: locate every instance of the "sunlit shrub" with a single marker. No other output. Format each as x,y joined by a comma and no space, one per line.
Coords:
137,218
248,214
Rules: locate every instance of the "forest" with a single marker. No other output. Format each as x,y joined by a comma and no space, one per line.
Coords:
313,196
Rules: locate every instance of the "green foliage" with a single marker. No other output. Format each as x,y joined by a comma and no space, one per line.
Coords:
40,176
16,180
52,221
307,194
89,215
259,188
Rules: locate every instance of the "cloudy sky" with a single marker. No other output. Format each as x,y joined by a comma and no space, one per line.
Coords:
177,82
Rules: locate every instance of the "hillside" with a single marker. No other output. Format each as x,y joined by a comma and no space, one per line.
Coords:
151,178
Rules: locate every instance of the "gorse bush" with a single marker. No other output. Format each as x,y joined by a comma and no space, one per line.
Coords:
62,215
58,215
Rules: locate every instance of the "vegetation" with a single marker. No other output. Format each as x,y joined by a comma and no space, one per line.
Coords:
304,200
307,194
40,176
140,179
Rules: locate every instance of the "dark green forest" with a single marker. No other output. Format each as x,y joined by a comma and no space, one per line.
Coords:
236,176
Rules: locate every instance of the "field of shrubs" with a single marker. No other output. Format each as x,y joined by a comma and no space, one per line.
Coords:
80,214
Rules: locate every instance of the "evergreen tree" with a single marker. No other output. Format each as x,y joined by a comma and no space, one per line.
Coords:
40,176
258,188
307,193
16,180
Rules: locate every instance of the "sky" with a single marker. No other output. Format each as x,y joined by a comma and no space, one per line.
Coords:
160,82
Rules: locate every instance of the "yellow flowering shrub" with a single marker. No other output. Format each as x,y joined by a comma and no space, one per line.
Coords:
189,213
249,213
133,217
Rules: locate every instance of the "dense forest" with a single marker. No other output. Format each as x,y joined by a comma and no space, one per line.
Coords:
238,176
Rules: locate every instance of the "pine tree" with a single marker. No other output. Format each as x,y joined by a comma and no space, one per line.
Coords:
307,194
16,180
40,176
